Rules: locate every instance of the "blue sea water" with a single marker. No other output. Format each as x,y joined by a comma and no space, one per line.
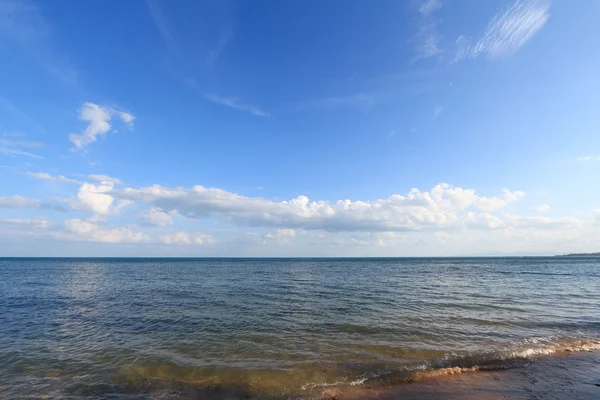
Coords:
279,328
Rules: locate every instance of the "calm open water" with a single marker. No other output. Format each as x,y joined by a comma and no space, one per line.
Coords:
158,328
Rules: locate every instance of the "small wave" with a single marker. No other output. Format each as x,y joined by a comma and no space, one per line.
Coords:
436,373
521,355
524,351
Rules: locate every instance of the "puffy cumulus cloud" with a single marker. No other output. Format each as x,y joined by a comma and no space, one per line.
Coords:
511,196
281,235
157,217
444,207
17,202
384,239
94,198
97,198
80,226
86,230
99,123
185,238
445,220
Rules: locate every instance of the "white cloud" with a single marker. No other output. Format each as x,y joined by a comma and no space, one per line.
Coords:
105,178
86,230
126,117
99,118
445,207
15,152
517,221
237,105
185,238
507,32
157,217
429,6
445,220
543,208
427,40
281,235
10,108
214,54
23,24
177,238
588,158
438,110
19,143
161,24
359,100
80,226
511,196
17,202
48,177
94,198
34,222
13,134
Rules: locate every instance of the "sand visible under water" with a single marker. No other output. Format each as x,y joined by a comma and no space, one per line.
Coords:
573,376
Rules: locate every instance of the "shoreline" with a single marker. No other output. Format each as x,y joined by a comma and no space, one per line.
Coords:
569,375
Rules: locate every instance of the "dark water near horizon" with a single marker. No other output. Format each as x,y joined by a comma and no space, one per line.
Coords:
277,328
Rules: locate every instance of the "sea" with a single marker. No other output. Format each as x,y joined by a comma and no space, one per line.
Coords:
280,328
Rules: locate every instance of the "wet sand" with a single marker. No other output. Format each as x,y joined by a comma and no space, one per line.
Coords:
573,376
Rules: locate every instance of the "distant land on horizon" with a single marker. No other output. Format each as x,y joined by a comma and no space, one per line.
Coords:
581,255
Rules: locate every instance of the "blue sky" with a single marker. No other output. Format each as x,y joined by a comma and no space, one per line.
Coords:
267,128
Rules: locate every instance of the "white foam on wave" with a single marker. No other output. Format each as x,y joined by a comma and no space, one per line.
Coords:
453,364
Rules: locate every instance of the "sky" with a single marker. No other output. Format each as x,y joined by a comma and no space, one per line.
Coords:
299,128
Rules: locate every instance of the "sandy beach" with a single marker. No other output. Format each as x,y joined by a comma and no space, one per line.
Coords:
568,376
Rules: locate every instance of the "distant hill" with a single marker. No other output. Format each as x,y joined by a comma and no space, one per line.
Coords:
581,255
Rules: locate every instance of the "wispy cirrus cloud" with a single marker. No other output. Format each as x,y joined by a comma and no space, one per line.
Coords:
17,202
224,38
12,144
99,118
46,176
236,104
427,39
507,32
359,100
588,158
105,178
17,113
23,25
16,152
15,139
161,24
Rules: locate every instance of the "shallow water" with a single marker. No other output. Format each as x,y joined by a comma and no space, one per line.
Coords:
132,328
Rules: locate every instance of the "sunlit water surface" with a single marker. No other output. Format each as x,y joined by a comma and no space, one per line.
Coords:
128,328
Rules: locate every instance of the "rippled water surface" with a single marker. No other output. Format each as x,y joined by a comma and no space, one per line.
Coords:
140,328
